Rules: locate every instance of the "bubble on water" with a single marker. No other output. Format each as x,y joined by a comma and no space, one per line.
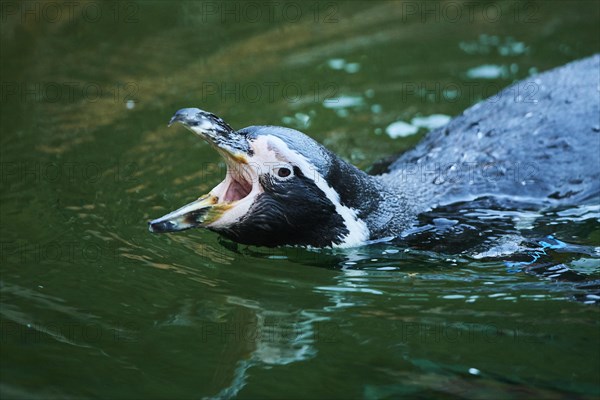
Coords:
400,129
352,68
487,71
343,102
453,296
431,122
336,63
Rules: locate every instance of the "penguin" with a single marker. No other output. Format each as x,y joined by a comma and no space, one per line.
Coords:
536,142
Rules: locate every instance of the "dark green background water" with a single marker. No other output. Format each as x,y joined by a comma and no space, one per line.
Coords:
92,305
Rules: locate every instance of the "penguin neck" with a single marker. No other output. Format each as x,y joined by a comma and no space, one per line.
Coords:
385,210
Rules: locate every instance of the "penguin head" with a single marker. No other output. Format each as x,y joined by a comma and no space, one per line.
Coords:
281,188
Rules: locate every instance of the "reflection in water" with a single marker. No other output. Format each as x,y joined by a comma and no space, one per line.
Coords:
462,386
261,338
18,323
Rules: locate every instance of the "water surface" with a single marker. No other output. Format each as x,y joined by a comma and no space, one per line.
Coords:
482,303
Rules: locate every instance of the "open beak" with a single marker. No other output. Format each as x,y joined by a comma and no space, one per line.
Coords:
236,191
192,215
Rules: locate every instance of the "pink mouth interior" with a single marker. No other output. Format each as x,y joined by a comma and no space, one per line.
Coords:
237,190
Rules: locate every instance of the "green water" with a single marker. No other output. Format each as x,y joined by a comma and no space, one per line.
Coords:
92,305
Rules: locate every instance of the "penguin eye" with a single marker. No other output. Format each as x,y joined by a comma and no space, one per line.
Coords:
283,172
